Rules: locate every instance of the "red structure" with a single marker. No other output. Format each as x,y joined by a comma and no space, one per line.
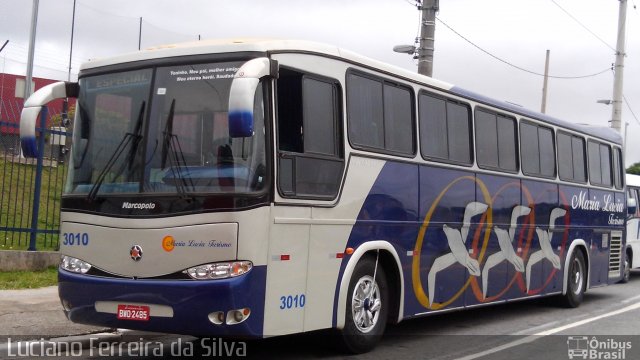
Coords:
11,105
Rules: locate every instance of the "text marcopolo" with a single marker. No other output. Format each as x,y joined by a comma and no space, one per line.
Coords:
146,206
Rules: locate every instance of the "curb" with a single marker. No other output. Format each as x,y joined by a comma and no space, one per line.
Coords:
13,260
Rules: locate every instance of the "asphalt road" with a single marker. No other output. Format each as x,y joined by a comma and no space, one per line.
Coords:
605,326
607,321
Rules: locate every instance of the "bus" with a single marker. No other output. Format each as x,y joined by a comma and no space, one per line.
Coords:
633,226
259,188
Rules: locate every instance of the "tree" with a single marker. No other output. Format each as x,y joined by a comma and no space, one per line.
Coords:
634,169
56,120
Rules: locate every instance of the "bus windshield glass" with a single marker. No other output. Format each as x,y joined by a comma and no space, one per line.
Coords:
164,130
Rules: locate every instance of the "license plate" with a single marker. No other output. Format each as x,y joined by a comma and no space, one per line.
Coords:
133,312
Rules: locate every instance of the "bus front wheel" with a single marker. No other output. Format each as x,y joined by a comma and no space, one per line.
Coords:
367,307
576,281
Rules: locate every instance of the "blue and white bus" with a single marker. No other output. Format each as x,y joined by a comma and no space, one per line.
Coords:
261,188
632,250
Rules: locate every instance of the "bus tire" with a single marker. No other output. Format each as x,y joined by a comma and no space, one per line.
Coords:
626,275
576,281
367,308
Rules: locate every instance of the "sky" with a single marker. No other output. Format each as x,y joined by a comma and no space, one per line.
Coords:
580,34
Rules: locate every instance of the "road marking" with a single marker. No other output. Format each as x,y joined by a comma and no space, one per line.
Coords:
536,328
588,320
534,337
630,299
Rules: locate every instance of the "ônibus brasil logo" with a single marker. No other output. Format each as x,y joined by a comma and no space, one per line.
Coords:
145,206
583,347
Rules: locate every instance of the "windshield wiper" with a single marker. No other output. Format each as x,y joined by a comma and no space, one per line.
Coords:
167,134
172,150
128,138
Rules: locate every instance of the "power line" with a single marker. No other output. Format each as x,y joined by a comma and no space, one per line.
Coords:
167,30
630,109
105,12
516,66
35,65
583,26
412,3
605,43
20,50
134,18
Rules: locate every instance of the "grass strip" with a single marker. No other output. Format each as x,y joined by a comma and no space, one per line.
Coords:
15,280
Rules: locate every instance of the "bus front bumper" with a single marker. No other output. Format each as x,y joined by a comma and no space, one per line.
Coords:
176,306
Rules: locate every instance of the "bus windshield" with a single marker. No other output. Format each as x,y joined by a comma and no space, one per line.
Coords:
163,130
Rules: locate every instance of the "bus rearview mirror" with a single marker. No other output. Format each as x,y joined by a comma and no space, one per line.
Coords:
242,94
31,112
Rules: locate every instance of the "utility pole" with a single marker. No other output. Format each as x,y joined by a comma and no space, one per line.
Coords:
73,25
65,102
616,114
2,79
543,107
32,44
424,52
140,35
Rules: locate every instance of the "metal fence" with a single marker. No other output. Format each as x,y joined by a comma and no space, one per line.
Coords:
30,189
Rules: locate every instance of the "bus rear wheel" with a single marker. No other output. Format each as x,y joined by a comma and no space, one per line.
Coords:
576,281
367,307
626,275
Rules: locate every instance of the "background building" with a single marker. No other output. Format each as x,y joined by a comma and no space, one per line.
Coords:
11,104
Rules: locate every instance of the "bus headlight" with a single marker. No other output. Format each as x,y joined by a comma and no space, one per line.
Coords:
74,265
219,270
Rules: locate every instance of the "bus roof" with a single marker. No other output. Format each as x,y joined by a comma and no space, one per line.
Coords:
632,180
274,46
605,133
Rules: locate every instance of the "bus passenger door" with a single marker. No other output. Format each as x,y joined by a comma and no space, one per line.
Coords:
287,270
309,170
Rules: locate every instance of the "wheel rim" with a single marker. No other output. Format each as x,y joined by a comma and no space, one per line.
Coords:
366,304
576,276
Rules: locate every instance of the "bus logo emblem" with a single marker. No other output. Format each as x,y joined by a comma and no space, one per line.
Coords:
168,243
136,252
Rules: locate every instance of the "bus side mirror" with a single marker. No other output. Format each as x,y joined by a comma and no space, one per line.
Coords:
242,94
31,112
632,207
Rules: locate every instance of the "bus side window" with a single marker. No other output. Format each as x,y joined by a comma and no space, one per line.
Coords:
537,149
599,163
445,129
618,168
310,160
633,199
380,115
636,196
571,158
496,141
